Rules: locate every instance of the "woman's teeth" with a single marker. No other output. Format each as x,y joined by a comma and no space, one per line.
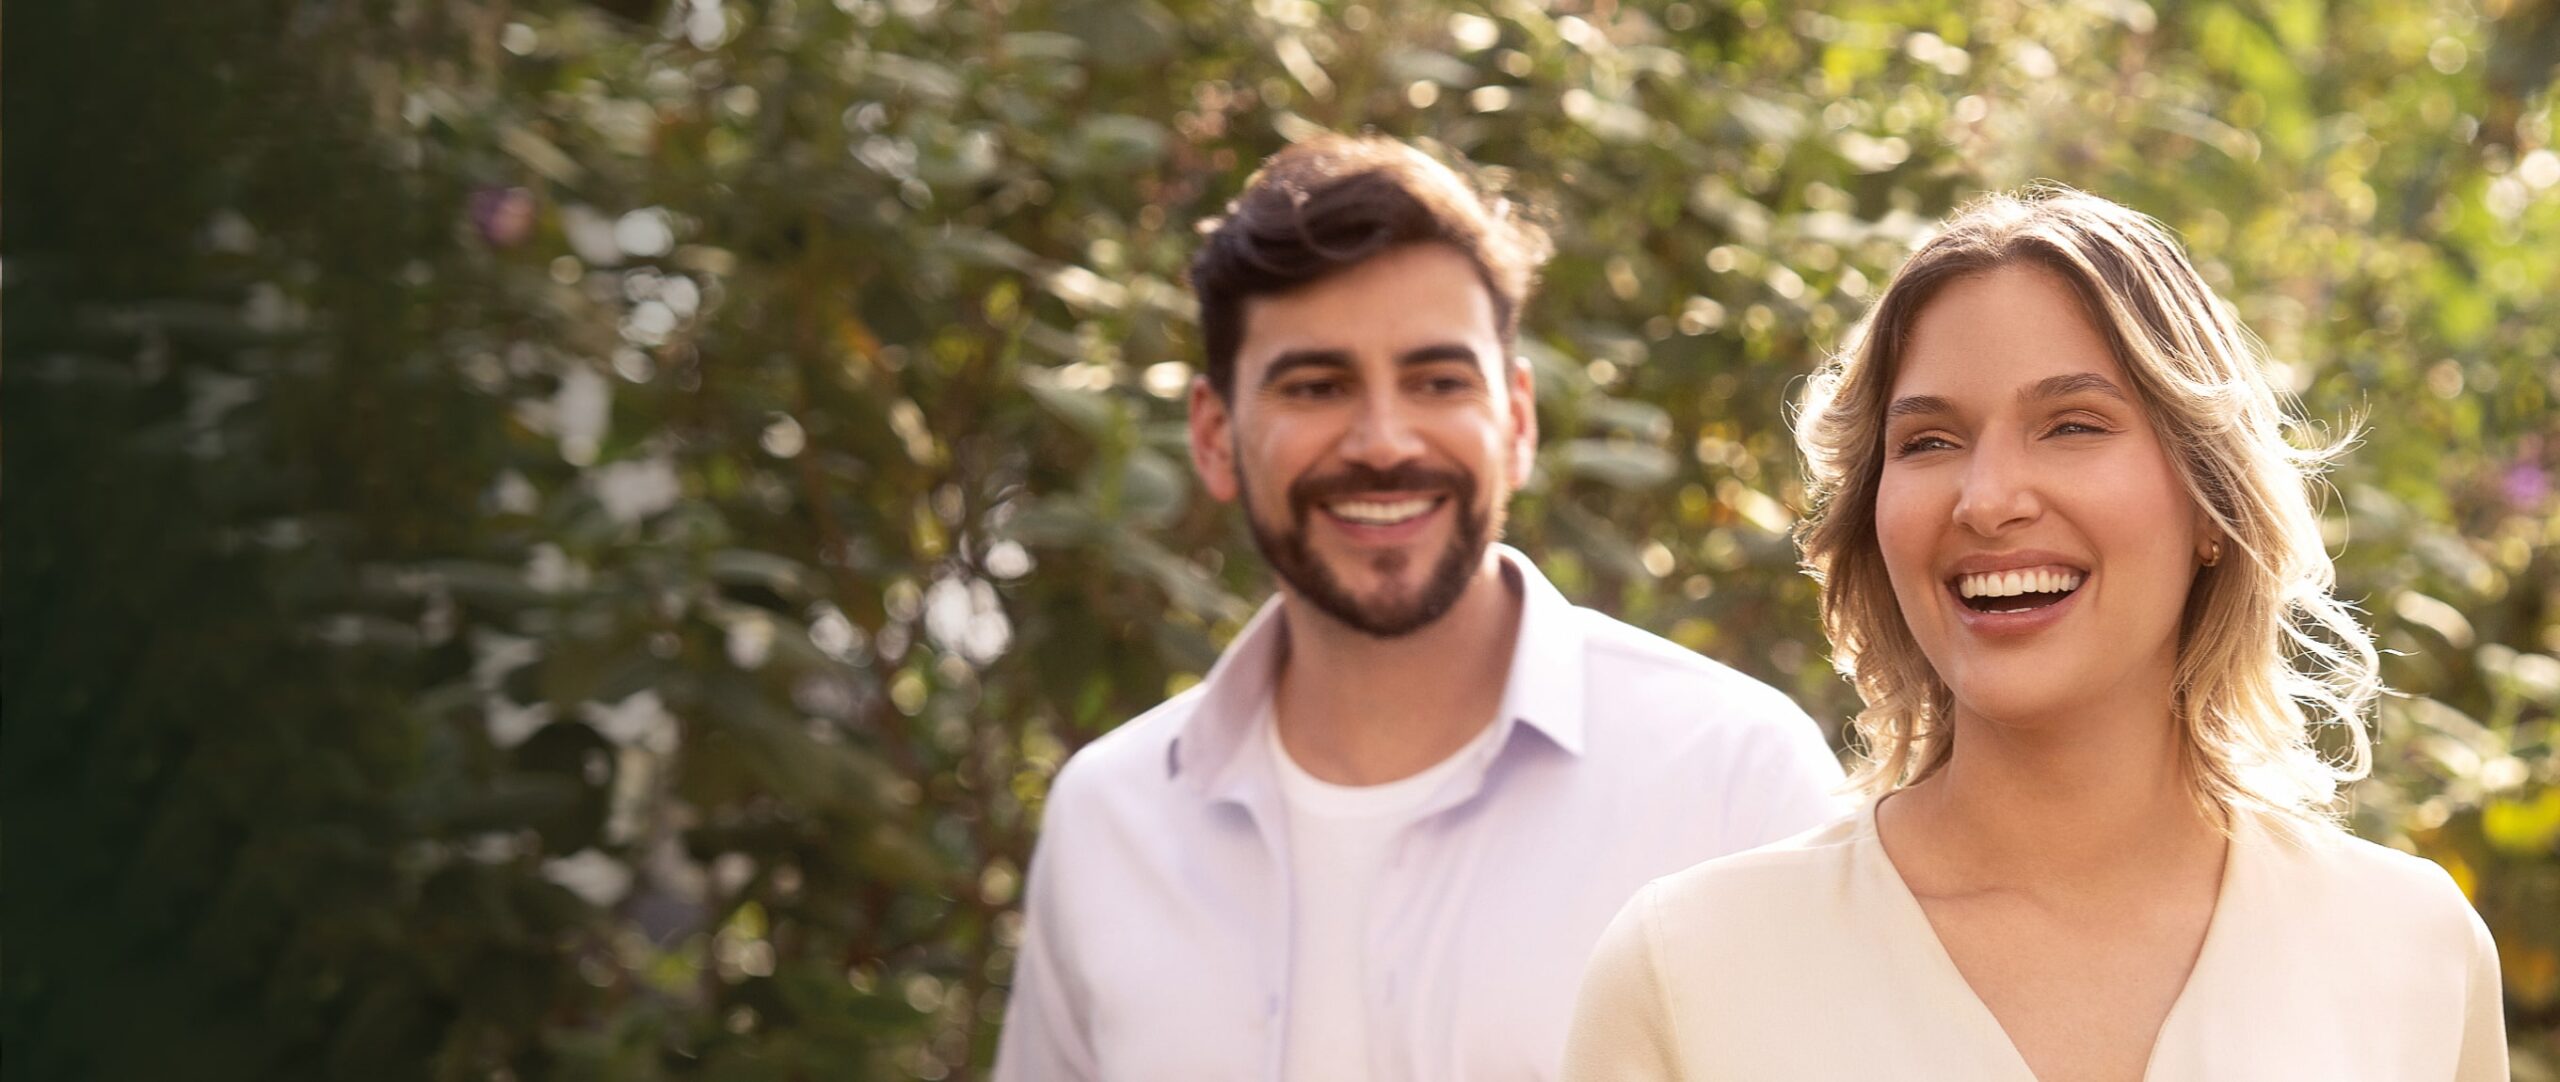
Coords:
1380,512
2013,583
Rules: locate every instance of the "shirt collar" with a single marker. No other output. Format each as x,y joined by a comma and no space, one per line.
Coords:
1543,692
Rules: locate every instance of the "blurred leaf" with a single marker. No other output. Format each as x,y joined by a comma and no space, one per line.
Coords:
1614,463
1122,33
2524,828
785,577
1112,144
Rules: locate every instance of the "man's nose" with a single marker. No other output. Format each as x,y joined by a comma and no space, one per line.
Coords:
1383,434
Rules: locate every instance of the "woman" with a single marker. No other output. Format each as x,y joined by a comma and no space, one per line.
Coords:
2070,560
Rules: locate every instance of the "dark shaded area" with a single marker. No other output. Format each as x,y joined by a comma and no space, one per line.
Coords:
565,540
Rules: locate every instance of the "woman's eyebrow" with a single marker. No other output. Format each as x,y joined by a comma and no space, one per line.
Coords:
1913,405
2050,387
2071,383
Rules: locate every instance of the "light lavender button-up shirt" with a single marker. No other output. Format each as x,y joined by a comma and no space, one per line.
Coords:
1157,941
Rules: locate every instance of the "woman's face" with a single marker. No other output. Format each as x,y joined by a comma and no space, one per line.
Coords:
2038,540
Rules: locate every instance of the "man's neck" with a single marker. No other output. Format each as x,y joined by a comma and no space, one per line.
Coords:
1356,709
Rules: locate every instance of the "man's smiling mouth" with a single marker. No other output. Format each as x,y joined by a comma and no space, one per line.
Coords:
1374,512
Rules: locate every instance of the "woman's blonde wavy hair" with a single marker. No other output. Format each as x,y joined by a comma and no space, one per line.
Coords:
2264,651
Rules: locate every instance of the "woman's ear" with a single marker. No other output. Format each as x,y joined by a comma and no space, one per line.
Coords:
2210,538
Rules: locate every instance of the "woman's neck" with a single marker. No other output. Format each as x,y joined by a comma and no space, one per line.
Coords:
2086,801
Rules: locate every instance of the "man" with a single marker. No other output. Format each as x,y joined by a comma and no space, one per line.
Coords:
1379,840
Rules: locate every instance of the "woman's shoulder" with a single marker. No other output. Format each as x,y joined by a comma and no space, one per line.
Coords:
2349,861
2373,882
1790,872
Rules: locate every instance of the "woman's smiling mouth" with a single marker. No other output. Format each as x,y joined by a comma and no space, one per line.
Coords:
2017,590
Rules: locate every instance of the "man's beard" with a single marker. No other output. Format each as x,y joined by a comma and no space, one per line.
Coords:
1390,617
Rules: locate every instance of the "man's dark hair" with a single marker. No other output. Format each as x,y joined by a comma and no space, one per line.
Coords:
1324,205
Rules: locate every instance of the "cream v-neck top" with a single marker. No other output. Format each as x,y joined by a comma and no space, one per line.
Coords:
2328,958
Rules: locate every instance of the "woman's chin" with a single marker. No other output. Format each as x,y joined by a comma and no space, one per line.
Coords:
2020,704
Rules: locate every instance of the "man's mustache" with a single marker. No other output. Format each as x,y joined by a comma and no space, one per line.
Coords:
1306,493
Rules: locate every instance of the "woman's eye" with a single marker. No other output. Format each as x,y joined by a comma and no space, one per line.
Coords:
1918,444
2078,428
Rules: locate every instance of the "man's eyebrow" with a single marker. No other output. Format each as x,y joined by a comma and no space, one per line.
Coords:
2071,384
1436,353
1304,358
1917,404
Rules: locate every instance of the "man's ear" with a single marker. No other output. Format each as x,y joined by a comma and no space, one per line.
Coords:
1524,420
1213,445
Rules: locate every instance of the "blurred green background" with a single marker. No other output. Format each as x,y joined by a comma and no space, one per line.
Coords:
565,540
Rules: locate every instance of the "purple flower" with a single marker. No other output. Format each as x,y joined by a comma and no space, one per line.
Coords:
504,216
2525,485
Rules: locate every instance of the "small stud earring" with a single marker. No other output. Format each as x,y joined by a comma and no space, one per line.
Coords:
2213,552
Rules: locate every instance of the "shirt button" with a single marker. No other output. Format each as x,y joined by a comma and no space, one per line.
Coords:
1271,1006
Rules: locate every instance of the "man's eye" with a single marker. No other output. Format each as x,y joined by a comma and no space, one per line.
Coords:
1919,445
1313,388
2078,428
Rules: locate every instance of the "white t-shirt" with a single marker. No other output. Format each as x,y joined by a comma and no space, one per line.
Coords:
1340,840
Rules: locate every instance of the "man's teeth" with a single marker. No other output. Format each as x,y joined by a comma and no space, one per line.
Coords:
1380,512
2013,583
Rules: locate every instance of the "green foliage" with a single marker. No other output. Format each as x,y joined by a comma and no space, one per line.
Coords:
566,540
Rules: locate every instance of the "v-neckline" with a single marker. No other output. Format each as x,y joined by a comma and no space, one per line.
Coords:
1899,890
